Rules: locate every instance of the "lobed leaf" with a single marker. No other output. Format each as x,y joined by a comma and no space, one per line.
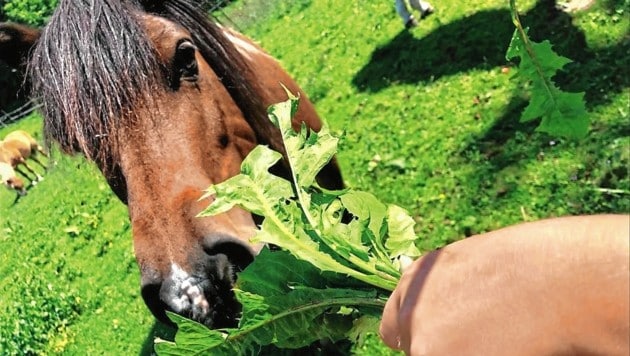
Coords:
402,237
255,189
191,337
312,154
302,293
366,207
561,113
289,315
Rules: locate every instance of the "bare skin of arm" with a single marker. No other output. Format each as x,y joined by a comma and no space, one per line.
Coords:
552,287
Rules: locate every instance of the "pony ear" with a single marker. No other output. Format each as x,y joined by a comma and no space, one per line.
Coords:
16,42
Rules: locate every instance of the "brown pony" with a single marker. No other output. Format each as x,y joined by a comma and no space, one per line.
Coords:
11,153
28,147
166,102
11,180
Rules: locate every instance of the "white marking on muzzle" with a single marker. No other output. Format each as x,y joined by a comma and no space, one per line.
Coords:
189,292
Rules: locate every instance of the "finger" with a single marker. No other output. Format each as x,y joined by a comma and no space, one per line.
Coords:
389,329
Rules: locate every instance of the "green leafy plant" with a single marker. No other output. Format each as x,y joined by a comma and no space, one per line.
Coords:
561,113
32,12
303,294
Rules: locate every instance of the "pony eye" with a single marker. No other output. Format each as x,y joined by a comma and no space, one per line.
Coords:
185,63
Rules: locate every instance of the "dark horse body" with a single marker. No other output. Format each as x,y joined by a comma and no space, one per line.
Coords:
166,103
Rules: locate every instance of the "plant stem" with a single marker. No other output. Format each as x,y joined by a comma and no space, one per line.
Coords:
366,302
530,52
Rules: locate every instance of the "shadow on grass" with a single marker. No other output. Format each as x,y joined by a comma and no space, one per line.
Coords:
479,41
476,41
600,73
160,330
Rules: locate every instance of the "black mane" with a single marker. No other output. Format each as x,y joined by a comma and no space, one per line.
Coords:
94,64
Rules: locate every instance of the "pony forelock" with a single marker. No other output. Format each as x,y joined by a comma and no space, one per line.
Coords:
94,67
92,64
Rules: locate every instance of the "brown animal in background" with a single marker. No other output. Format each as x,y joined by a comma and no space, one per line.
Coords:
26,144
15,42
11,180
11,154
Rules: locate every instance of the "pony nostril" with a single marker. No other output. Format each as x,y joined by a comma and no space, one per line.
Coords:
151,295
202,290
238,254
205,294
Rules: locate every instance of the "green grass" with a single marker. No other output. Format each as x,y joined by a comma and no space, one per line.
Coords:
70,281
429,122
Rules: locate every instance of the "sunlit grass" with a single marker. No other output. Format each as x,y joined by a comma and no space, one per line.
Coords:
429,120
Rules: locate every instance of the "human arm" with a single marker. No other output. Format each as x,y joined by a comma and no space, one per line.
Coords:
533,288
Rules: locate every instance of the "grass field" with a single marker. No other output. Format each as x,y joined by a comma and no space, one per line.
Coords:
428,119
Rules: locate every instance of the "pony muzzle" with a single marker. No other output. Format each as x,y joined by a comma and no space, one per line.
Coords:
202,292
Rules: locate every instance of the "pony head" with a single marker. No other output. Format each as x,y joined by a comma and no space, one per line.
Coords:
166,103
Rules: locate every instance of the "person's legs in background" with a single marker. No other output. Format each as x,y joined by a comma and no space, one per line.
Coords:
423,7
405,15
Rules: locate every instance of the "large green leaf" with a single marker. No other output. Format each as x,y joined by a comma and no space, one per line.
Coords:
298,218
190,339
402,238
255,189
289,315
561,113
302,293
